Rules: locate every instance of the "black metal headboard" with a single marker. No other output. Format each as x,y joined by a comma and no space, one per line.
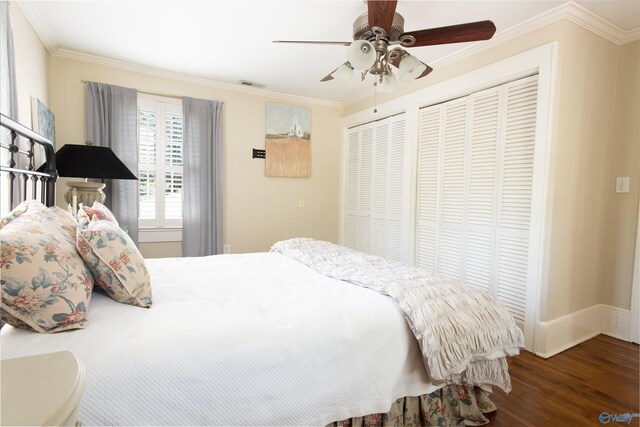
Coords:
42,185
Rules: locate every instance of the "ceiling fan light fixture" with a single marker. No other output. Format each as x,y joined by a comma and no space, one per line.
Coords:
410,68
361,55
388,83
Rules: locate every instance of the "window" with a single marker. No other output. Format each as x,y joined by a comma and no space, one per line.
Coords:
160,161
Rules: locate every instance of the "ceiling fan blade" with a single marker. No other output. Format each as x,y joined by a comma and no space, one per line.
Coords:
311,42
340,74
425,72
381,13
329,76
472,31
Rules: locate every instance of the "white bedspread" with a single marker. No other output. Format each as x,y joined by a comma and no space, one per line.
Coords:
255,339
465,333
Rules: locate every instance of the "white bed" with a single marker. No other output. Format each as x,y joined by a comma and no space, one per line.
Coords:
254,339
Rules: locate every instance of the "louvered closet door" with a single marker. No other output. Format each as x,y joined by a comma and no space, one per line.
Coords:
482,188
351,188
452,188
380,178
428,186
474,189
376,212
515,191
363,224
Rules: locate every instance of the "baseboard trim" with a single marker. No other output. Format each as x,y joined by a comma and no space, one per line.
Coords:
560,334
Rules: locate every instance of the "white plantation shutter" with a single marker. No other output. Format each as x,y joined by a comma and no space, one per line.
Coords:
474,189
160,161
147,163
375,215
173,166
173,139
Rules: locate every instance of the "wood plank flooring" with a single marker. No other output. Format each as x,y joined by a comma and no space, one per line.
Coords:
572,388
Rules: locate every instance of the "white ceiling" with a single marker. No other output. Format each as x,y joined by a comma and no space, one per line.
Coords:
228,41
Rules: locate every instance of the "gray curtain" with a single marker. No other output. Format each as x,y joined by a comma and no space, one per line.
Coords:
8,100
8,96
111,121
202,206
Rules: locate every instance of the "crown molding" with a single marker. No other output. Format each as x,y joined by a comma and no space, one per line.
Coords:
157,72
631,36
600,26
570,11
30,11
359,97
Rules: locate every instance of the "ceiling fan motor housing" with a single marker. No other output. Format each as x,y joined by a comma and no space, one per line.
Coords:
361,30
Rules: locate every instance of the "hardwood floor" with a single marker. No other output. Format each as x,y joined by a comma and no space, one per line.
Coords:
572,388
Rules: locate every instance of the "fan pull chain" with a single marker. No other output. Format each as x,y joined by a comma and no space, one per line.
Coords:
375,98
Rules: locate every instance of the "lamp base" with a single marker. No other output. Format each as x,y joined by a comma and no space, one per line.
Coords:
86,193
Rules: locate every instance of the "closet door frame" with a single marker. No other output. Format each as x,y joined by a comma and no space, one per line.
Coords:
541,60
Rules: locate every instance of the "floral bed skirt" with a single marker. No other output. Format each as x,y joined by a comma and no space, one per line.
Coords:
452,405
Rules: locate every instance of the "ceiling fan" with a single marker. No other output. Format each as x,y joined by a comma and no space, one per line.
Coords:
380,28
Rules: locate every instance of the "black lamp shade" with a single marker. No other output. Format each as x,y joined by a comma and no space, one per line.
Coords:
90,161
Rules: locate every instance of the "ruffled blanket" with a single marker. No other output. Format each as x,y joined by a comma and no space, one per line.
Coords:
465,333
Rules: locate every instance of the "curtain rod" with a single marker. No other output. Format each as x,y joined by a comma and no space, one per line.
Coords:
167,95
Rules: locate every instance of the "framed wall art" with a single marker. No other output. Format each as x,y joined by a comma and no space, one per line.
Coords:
42,123
43,120
287,141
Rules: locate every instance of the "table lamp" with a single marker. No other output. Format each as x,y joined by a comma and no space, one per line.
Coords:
89,161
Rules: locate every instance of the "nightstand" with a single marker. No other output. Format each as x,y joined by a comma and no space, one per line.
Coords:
42,390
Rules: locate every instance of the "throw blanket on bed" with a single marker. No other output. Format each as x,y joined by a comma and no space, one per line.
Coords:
464,332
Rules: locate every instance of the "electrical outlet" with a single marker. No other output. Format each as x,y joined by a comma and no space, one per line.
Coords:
301,203
226,249
622,184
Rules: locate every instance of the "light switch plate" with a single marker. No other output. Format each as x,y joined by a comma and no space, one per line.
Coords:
622,184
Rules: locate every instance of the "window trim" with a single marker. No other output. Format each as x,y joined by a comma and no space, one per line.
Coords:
158,235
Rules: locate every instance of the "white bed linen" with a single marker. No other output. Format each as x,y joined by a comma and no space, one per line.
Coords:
253,339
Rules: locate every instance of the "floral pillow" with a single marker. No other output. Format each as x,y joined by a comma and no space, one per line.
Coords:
46,286
114,260
98,210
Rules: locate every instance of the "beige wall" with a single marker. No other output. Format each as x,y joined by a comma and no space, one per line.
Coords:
585,231
624,160
32,65
585,92
258,211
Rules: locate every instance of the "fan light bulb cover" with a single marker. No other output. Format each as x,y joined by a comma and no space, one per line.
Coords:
410,68
361,55
389,84
345,74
